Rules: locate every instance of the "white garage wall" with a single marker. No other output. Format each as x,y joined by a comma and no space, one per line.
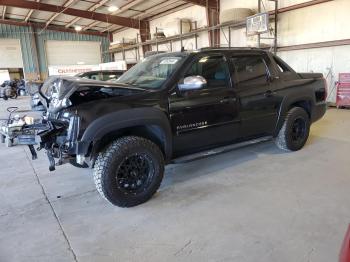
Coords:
318,23
171,26
330,61
73,52
10,53
253,4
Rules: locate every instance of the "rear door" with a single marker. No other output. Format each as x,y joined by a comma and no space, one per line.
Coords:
206,117
257,93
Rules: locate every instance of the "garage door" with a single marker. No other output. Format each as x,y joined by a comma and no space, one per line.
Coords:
10,53
73,52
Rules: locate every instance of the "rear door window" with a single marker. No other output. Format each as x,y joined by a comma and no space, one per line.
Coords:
250,70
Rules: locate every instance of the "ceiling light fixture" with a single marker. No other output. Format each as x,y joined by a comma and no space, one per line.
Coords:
78,28
113,8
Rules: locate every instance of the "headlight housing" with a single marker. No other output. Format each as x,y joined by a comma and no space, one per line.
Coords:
58,91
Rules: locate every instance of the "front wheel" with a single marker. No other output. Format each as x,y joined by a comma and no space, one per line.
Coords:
295,130
129,171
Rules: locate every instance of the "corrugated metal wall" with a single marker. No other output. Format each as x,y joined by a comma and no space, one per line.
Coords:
33,46
25,34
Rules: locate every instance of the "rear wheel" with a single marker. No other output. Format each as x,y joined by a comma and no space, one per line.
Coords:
129,171
295,130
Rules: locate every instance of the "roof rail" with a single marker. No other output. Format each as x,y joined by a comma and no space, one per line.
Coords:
229,48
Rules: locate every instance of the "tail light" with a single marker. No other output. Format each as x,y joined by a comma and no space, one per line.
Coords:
322,92
325,88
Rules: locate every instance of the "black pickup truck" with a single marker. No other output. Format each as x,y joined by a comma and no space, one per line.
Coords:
176,107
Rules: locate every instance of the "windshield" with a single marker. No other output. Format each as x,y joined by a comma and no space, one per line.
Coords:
152,72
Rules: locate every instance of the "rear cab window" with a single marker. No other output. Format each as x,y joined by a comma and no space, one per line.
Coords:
249,70
282,66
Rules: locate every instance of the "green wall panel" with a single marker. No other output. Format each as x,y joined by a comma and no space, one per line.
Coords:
33,45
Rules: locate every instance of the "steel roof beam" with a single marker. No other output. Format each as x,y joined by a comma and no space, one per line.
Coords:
123,8
50,27
111,19
120,10
205,3
29,13
3,12
91,25
65,5
92,8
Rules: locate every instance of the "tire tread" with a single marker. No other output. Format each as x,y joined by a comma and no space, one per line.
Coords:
105,159
282,137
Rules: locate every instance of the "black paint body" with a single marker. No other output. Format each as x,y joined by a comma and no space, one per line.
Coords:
182,123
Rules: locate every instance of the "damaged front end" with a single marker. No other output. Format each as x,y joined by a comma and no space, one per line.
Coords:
60,140
67,116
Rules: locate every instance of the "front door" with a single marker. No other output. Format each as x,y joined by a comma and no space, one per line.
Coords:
207,117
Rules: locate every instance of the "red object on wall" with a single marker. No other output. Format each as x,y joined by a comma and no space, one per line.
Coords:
343,90
345,250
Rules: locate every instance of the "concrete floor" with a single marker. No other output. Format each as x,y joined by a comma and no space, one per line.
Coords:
253,204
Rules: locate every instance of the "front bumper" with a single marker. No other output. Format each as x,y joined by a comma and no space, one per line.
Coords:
60,140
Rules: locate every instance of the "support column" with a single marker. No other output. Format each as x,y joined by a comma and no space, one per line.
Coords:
35,54
145,34
213,18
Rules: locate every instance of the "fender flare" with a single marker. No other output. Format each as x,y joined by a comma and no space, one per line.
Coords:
285,105
129,118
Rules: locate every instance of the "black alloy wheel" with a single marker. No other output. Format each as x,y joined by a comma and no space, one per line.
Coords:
298,131
295,130
135,173
129,171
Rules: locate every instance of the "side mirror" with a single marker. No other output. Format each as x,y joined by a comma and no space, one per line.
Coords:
192,83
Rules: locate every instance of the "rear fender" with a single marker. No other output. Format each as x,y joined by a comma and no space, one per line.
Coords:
286,105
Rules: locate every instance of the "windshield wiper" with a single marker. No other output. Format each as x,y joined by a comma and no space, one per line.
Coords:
130,83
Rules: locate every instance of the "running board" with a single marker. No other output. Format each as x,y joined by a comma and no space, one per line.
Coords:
219,150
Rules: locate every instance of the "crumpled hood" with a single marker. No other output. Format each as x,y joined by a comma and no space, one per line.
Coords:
60,92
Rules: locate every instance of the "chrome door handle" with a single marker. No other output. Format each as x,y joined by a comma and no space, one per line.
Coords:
228,100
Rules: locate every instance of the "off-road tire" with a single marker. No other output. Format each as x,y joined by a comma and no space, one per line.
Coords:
109,162
2,139
284,139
